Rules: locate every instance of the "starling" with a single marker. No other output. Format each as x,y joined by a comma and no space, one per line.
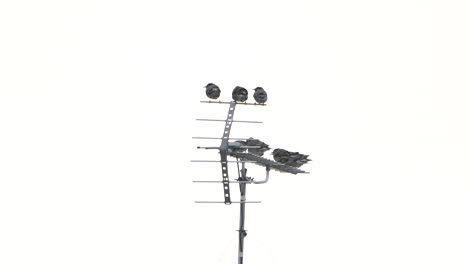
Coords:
281,155
255,142
294,159
239,94
212,91
260,95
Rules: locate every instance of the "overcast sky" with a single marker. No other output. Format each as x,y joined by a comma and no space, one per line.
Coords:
97,107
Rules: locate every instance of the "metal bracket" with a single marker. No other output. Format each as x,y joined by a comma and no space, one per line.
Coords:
266,177
223,151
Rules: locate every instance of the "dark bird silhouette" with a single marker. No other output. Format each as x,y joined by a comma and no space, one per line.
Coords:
294,159
255,142
239,94
212,91
281,155
260,95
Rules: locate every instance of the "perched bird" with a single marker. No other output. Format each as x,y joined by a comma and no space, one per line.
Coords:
212,91
239,94
260,95
294,159
255,142
281,155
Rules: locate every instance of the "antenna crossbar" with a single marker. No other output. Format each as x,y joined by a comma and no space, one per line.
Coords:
231,202
219,138
232,147
229,161
221,181
221,102
230,120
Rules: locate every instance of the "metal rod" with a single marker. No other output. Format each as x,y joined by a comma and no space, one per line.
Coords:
230,161
242,232
239,202
219,138
232,147
207,147
224,120
220,102
222,181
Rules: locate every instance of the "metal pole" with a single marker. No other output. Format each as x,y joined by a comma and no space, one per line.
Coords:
242,232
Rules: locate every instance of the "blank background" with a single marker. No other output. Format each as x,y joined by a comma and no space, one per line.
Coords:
97,108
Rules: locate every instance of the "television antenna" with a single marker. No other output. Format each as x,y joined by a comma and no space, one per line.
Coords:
229,149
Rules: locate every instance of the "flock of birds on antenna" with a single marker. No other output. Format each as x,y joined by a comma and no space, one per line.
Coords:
239,94
294,159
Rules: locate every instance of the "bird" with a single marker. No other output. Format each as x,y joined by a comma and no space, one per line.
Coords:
260,95
281,155
239,94
255,142
294,159
212,91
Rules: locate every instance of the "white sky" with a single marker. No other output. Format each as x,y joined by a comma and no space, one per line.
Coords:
97,108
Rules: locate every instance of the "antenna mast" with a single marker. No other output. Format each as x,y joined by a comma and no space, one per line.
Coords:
249,151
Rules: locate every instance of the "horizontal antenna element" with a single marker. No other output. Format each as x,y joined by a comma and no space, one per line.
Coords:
219,138
229,161
221,181
231,202
238,103
224,120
